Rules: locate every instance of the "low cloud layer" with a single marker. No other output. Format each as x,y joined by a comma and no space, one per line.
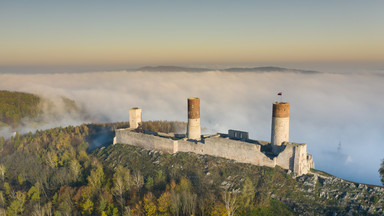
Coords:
337,115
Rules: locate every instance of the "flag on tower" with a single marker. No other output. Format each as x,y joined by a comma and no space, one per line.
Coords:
280,93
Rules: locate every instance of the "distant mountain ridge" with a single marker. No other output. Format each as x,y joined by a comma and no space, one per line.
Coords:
237,69
270,69
171,69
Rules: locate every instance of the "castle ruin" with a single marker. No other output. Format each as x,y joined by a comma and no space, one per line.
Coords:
235,145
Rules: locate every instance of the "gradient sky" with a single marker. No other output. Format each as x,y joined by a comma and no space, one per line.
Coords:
189,32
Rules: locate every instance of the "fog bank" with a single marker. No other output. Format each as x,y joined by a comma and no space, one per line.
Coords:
337,115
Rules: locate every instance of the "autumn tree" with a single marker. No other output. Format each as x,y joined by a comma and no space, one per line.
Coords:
86,207
149,204
17,204
183,198
164,203
34,193
64,200
96,178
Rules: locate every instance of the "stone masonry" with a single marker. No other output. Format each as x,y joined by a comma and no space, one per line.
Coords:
293,156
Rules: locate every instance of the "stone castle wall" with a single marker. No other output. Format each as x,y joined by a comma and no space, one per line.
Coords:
147,141
293,156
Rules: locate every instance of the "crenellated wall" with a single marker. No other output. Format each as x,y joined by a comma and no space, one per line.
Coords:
293,156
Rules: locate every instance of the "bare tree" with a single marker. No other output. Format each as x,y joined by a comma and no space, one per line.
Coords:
48,209
230,200
2,171
122,182
38,211
75,168
3,212
188,201
138,179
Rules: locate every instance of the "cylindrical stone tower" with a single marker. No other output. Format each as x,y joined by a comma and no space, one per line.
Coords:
194,128
134,117
280,124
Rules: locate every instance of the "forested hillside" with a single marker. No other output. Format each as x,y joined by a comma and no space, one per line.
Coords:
15,106
18,109
56,172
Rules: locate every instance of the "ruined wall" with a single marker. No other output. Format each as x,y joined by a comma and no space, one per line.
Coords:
294,156
310,161
150,142
227,148
301,166
187,146
237,150
286,158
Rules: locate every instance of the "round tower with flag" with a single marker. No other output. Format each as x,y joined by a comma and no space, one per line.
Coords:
280,124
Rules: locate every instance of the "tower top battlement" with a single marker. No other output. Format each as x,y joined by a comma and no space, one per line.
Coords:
193,108
280,109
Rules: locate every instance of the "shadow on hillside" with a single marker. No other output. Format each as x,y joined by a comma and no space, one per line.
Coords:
102,134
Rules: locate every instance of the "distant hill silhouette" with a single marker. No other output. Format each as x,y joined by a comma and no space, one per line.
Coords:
172,69
268,69
253,69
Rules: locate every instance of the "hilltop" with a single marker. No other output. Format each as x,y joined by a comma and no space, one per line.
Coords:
57,171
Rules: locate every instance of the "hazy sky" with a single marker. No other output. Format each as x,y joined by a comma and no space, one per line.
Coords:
189,32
